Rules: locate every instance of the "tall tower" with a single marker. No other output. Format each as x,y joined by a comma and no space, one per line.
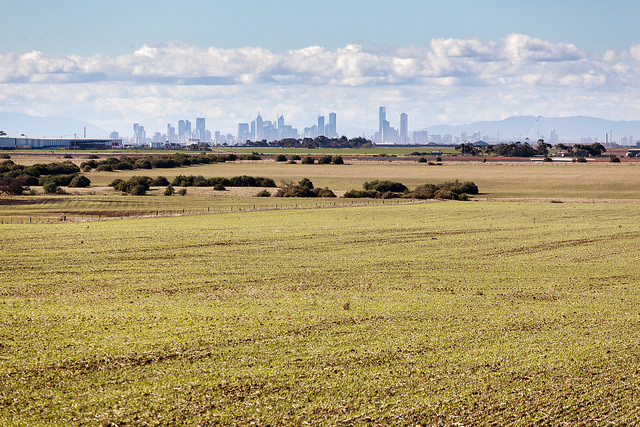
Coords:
404,128
333,130
382,117
259,128
200,128
321,130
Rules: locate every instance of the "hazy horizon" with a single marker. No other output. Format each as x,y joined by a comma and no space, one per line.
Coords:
453,63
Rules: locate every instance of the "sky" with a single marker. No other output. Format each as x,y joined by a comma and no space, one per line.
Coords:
152,62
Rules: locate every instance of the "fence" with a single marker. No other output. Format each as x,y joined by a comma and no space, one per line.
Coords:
79,217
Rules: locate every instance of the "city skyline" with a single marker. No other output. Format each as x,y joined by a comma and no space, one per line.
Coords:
452,63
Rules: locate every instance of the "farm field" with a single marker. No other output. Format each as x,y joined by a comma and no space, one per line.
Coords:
524,180
442,312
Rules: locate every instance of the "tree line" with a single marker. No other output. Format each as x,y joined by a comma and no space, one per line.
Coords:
519,149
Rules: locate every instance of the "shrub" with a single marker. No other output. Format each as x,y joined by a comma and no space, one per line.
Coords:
93,156
581,160
337,160
614,159
12,186
294,157
67,156
136,185
281,158
385,186
304,188
324,160
292,162
263,193
438,158
5,156
219,187
104,168
547,159
160,181
169,190
361,194
182,191
80,181
422,160
50,187
308,160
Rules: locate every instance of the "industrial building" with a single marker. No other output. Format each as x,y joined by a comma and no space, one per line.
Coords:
12,142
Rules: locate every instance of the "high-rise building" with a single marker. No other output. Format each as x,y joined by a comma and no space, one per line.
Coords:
243,133
200,129
181,130
187,129
333,132
259,128
171,133
404,128
382,118
139,135
321,130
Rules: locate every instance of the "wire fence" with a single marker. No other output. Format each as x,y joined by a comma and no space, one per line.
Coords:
231,208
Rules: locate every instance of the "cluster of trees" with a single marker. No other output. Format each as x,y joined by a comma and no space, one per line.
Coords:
164,161
519,149
236,181
139,185
452,190
15,179
309,160
304,188
318,142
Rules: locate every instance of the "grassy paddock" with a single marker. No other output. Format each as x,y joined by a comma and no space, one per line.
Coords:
499,180
434,313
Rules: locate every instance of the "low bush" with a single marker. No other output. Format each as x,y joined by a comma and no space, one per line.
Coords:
453,190
136,185
384,186
294,157
614,159
422,160
324,160
169,190
263,193
308,160
12,186
337,160
281,158
160,181
304,188
80,181
182,192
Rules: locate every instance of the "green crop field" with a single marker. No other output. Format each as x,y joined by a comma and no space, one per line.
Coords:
431,313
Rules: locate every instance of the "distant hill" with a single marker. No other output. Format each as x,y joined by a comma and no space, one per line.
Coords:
568,129
16,124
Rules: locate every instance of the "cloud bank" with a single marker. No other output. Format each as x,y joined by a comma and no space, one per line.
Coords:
444,80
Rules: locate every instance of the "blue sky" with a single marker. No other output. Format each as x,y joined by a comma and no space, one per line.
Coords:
113,63
118,26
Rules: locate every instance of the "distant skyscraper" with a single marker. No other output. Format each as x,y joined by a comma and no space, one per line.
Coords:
333,132
259,128
181,130
382,118
187,129
171,133
321,130
243,133
139,135
404,128
200,129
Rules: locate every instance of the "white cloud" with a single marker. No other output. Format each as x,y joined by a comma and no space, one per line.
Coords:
453,79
